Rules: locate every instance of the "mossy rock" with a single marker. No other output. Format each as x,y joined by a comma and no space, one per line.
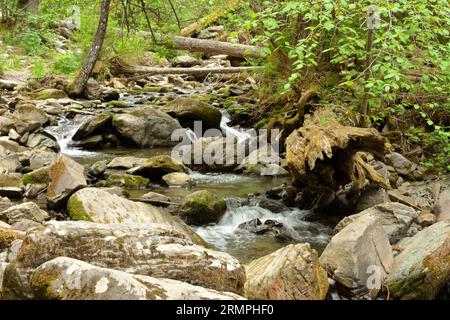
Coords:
189,110
7,237
38,176
118,104
127,181
49,94
76,210
158,166
203,207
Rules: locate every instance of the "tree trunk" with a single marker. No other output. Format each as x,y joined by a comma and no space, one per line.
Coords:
190,71
29,5
82,78
213,47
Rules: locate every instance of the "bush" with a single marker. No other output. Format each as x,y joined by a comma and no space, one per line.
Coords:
67,64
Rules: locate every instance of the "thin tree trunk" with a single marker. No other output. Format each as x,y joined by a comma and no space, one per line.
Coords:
175,13
365,100
82,78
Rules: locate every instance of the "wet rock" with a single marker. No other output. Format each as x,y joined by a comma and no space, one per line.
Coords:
7,236
93,90
91,143
157,197
96,205
356,253
53,280
66,177
291,273
189,110
185,61
27,210
146,127
203,207
270,204
177,179
423,266
117,104
141,249
110,94
93,126
158,166
270,228
127,181
48,94
125,163
395,218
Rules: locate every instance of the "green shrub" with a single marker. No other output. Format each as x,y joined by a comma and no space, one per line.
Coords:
67,64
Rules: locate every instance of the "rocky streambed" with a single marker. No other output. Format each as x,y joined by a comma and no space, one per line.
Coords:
94,202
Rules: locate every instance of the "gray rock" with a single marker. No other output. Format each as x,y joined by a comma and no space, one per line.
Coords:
96,205
185,61
177,179
55,279
402,165
93,126
396,219
126,162
153,196
423,266
141,249
146,127
66,177
28,210
356,253
291,273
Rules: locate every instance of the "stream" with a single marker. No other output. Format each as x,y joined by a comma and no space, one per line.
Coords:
225,236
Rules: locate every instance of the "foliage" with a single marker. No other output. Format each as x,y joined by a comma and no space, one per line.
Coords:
66,64
410,65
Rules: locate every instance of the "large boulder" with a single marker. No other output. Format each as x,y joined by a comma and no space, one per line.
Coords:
291,273
29,113
126,162
143,249
93,126
42,140
96,205
422,268
203,207
146,127
28,210
188,110
358,252
158,166
396,219
55,280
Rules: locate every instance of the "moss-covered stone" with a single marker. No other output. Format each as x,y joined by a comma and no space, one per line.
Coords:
127,181
39,176
7,236
203,207
76,210
118,104
48,94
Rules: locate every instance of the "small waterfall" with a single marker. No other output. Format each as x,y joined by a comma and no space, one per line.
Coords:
226,232
240,134
64,131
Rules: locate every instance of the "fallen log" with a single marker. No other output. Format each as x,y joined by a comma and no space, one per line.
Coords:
325,155
189,71
213,47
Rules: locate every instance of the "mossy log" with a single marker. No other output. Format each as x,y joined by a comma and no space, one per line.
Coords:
324,154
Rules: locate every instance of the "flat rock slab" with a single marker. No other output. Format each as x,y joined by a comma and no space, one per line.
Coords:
142,249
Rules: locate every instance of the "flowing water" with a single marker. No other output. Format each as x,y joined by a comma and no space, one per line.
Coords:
235,188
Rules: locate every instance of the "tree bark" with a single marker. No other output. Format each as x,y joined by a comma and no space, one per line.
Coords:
213,47
190,71
29,5
82,78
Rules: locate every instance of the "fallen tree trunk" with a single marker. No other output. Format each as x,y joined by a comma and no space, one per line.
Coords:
189,71
213,47
324,154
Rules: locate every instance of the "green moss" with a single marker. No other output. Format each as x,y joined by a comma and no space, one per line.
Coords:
42,284
261,123
127,181
119,104
39,176
76,210
203,207
6,238
49,94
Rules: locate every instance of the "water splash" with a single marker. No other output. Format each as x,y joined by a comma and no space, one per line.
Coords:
241,134
63,133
